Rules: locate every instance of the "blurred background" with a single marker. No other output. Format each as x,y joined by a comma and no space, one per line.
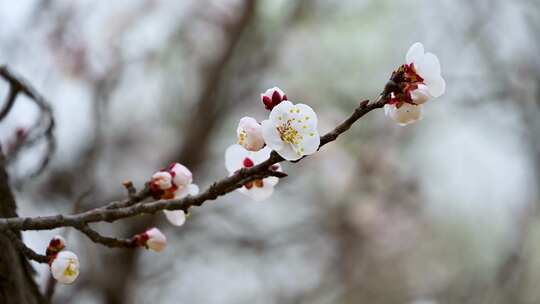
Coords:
442,211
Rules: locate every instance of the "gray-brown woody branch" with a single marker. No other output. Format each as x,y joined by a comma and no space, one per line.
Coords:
135,206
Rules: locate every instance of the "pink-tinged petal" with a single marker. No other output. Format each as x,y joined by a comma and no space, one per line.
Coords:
182,176
156,240
175,217
249,134
162,180
415,53
271,135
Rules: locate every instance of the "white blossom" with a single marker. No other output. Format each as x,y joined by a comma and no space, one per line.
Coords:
428,67
236,158
156,240
249,134
291,130
65,267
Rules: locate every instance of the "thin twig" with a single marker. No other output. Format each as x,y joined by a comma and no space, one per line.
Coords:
27,251
96,237
43,128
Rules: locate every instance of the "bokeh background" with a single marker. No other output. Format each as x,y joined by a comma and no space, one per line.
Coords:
442,211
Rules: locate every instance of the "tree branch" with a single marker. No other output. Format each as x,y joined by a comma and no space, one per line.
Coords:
28,252
43,128
129,208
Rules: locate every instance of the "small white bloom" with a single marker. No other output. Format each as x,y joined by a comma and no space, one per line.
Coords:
65,267
249,134
291,130
162,180
428,67
272,97
404,115
182,186
156,240
236,158
181,175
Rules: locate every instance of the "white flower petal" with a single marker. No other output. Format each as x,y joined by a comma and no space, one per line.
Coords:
288,152
305,116
181,192
270,92
175,217
429,66
271,135
310,143
436,86
281,112
193,189
260,156
271,181
65,267
258,194
415,53
234,157
406,114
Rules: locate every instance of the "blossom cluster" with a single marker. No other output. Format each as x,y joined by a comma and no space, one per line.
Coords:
63,264
176,181
417,81
290,130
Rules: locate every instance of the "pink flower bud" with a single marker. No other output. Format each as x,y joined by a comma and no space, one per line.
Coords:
181,175
155,240
272,97
56,245
249,134
161,180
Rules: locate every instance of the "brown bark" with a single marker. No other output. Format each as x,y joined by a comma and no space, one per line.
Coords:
17,285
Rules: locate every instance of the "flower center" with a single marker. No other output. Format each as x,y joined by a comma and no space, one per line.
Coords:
242,137
289,134
70,269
